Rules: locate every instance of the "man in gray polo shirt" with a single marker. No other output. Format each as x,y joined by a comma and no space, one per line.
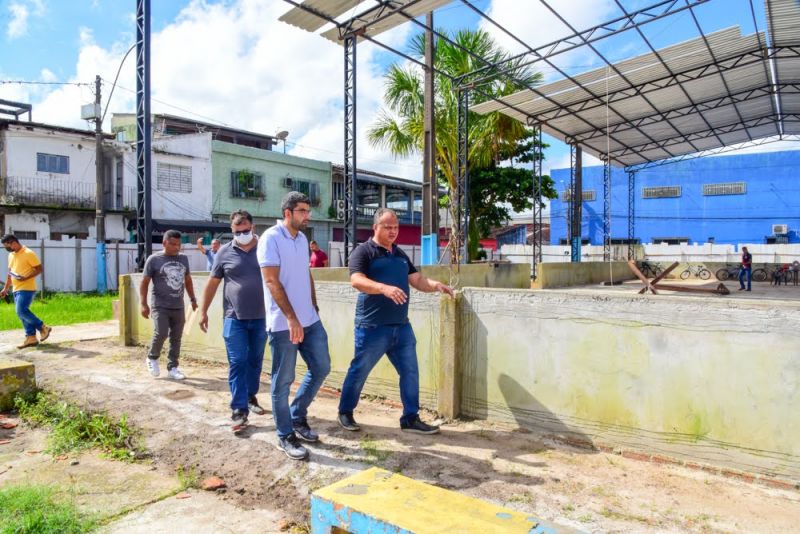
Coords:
244,327
169,271
292,323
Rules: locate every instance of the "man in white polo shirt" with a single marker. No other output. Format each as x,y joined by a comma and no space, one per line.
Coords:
292,323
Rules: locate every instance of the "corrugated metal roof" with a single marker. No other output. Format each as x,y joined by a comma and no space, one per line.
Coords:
705,93
308,21
365,20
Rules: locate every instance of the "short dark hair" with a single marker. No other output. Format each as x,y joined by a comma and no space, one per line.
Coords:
239,216
172,234
9,238
312,242
380,212
292,199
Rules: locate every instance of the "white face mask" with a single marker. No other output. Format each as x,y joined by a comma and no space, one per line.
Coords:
244,239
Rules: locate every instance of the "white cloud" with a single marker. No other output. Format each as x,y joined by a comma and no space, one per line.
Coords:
18,25
256,73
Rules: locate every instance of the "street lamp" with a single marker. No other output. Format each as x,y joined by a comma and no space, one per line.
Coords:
281,136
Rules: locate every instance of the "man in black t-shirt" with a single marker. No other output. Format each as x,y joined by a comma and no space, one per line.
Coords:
746,271
382,272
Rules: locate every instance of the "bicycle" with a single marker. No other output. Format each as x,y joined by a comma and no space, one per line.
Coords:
651,270
729,272
697,270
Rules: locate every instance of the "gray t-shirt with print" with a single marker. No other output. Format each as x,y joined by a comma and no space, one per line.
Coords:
168,274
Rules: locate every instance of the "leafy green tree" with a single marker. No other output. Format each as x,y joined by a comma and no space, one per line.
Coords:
494,138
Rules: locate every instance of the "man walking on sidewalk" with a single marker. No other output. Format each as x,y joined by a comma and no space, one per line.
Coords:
211,253
23,268
382,272
293,323
169,271
244,326
746,271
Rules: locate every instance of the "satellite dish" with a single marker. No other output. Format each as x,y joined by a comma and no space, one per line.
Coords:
282,135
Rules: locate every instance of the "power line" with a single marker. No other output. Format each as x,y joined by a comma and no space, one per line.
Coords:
28,82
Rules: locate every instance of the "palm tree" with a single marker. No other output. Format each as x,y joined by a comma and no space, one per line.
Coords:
492,137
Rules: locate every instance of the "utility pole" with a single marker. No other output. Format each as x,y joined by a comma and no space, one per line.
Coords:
100,216
430,186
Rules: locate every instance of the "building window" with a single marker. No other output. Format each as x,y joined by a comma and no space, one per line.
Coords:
309,189
52,163
669,191
26,234
588,196
171,177
731,188
247,184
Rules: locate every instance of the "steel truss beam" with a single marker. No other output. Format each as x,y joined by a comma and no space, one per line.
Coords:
704,134
631,212
606,210
144,223
536,211
385,9
350,134
712,152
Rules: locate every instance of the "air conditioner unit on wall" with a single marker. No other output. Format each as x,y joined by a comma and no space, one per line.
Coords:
288,183
340,209
778,229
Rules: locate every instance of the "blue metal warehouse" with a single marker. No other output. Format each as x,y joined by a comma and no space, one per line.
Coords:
749,198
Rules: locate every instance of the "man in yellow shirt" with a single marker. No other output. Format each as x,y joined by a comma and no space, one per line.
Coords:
23,268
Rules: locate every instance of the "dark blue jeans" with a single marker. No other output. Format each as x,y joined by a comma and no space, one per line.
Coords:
371,343
745,273
22,301
314,351
244,343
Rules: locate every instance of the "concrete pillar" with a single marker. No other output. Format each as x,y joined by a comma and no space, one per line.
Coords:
449,399
16,376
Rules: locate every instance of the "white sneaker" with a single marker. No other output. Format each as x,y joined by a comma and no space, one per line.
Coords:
152,366
176,374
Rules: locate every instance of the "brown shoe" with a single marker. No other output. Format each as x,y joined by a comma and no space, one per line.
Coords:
30,341
45,333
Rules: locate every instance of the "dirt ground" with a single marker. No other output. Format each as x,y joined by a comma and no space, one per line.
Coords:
186,424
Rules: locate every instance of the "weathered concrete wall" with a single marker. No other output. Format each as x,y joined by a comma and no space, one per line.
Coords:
550,275
711,380
337,304
16,376
504,275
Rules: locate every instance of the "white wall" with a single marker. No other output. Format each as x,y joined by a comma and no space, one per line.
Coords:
28,222
22,145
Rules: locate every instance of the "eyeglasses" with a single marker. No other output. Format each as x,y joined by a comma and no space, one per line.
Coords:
302,210
242,232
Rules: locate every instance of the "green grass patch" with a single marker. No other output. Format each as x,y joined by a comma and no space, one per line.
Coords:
374,453
73,429
39,510
61,309
187,478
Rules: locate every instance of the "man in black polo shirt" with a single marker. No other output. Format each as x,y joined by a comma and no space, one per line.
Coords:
382,272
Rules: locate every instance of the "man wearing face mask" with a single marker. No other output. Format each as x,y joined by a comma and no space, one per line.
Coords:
293,323
23,268
244,327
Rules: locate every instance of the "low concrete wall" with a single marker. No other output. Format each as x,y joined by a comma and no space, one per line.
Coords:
550,275
707,380
504,275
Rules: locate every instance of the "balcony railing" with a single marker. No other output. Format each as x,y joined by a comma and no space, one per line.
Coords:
58,193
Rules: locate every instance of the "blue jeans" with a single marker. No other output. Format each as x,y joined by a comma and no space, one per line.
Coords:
400,345
745,272
314,351
244,343
31,323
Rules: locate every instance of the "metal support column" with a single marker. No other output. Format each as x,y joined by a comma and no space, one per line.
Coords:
350,173
99,201
631,212
576,200
144,222
536,227
607,209
430,189
461,211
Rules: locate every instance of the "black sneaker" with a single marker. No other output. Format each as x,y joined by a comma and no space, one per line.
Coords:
292,447
418,427
254,406
239,420
347,422
304,432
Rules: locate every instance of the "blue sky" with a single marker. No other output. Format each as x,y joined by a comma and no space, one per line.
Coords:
233,62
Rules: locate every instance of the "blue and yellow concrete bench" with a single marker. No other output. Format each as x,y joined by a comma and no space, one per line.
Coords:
379,502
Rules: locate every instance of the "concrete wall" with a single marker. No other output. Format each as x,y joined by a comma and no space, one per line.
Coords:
550,275
711,380
506,275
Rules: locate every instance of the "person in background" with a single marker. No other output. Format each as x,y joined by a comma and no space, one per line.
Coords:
211,253
23,268
169,271
747,269
318,257
244,328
